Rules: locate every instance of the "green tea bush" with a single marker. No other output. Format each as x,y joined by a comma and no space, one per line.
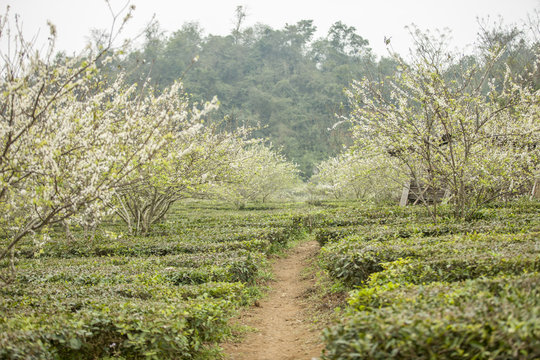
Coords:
450,290
476,319
145,247
453,269
131,330
164,296
331,234
352,260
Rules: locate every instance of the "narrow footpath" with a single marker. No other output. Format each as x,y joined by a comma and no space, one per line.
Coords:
284,330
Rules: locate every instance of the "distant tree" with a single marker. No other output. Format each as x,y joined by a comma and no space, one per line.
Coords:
328,178
257,173
344,39
265,76
358,175
240,16
342,46
300,34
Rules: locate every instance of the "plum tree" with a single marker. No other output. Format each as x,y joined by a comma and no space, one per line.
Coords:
451,124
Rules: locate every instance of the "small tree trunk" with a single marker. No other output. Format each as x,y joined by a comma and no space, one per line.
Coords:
405,194
7,274
90,232
69,235
535,193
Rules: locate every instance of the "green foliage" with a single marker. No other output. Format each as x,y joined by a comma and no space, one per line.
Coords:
256,173
289,82
136,329
165,296
477,319
454,289
446,258
355,175
453,126
282,79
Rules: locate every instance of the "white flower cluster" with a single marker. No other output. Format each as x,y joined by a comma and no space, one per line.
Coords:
452,126
257,172
70,141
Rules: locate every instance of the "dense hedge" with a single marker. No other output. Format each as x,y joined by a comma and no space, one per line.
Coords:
424,290
476,319
263,240
456,257
135,329
165,296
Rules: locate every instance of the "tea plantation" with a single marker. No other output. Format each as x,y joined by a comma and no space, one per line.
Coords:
424,290
417,289
165,296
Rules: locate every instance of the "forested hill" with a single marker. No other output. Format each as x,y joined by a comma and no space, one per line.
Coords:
285,80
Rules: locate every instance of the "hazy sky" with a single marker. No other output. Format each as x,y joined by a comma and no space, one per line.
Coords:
373,19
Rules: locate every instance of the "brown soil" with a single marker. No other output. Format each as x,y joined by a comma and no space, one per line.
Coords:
284,330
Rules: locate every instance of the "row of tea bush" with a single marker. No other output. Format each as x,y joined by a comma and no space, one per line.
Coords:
424,290
165,296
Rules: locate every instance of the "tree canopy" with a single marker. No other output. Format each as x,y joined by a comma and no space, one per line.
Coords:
284,81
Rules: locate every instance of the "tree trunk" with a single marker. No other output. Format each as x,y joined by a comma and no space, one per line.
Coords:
69,235
535,193
405,194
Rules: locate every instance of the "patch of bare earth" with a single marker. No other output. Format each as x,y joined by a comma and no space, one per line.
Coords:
284,330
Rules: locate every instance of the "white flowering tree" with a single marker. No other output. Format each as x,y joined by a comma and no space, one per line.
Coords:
373,177
257,173
196,156
358,175
328,179
451,125
68,139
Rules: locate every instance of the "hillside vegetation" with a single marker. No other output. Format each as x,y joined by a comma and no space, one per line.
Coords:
283,80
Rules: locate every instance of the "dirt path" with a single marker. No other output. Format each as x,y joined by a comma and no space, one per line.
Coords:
285,331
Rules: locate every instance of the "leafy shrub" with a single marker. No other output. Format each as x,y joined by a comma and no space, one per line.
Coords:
164,296
131,330
352,260
455,289
453,269
476,319
332,234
